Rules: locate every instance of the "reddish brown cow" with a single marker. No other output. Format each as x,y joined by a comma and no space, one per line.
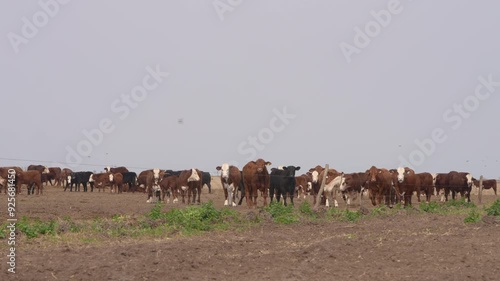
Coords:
426,186
303,185
4,176
441,184
190,181
355,184
230,179
379,184
459,182
116,170
487,184
31,179
63,178
169,186
315,184
117,183
408,183
145,182
54,174
102,180
255,178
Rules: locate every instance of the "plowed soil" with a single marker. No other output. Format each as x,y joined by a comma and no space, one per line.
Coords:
405,246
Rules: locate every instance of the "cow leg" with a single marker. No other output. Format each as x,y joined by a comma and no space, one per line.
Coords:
209,187
225,186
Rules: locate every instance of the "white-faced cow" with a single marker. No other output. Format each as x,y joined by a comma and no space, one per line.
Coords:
102,180
408,183
487,184
255,179
115,170
190,182
459,182
379,183
230,177
78,178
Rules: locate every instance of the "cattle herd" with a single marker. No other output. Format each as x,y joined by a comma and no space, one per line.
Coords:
384,186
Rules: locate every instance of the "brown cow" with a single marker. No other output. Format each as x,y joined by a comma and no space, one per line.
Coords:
459,182
30,179
487,184
408,183
440,184
4,176
102,180
63,178
230,179
117,183
255,178
169,186
355,184
315,185
115,170
54,174
190,181
426,185
379,184
303,184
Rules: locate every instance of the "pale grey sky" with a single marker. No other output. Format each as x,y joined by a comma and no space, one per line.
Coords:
234,67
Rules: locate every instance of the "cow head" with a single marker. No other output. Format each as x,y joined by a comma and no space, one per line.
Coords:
156,175
290,170
371,174
401,174
107,169
110,177
68,178
224,170
91,178
434,178
194,176
45,170
469,180
261,165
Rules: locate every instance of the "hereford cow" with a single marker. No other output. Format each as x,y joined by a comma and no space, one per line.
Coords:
169,186
230,177
42,169
102,180
315,182
354,186
426,185
379,184
63,177
282,183
31,179
4,176
303,185
487,184
190,182
115,170
459,183
408,183
117,185
78,178
150,180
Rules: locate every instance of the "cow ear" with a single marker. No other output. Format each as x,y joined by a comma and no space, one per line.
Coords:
218,168
268,163
297,168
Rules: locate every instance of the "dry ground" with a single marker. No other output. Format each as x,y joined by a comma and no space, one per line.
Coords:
405,246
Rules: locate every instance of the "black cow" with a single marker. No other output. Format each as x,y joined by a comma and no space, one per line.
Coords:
206,178
283,181
79,178
130,178
171,173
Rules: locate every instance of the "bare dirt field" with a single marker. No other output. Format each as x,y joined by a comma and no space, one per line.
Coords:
409,245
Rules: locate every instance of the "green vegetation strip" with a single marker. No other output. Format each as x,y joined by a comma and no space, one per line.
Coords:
193,220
